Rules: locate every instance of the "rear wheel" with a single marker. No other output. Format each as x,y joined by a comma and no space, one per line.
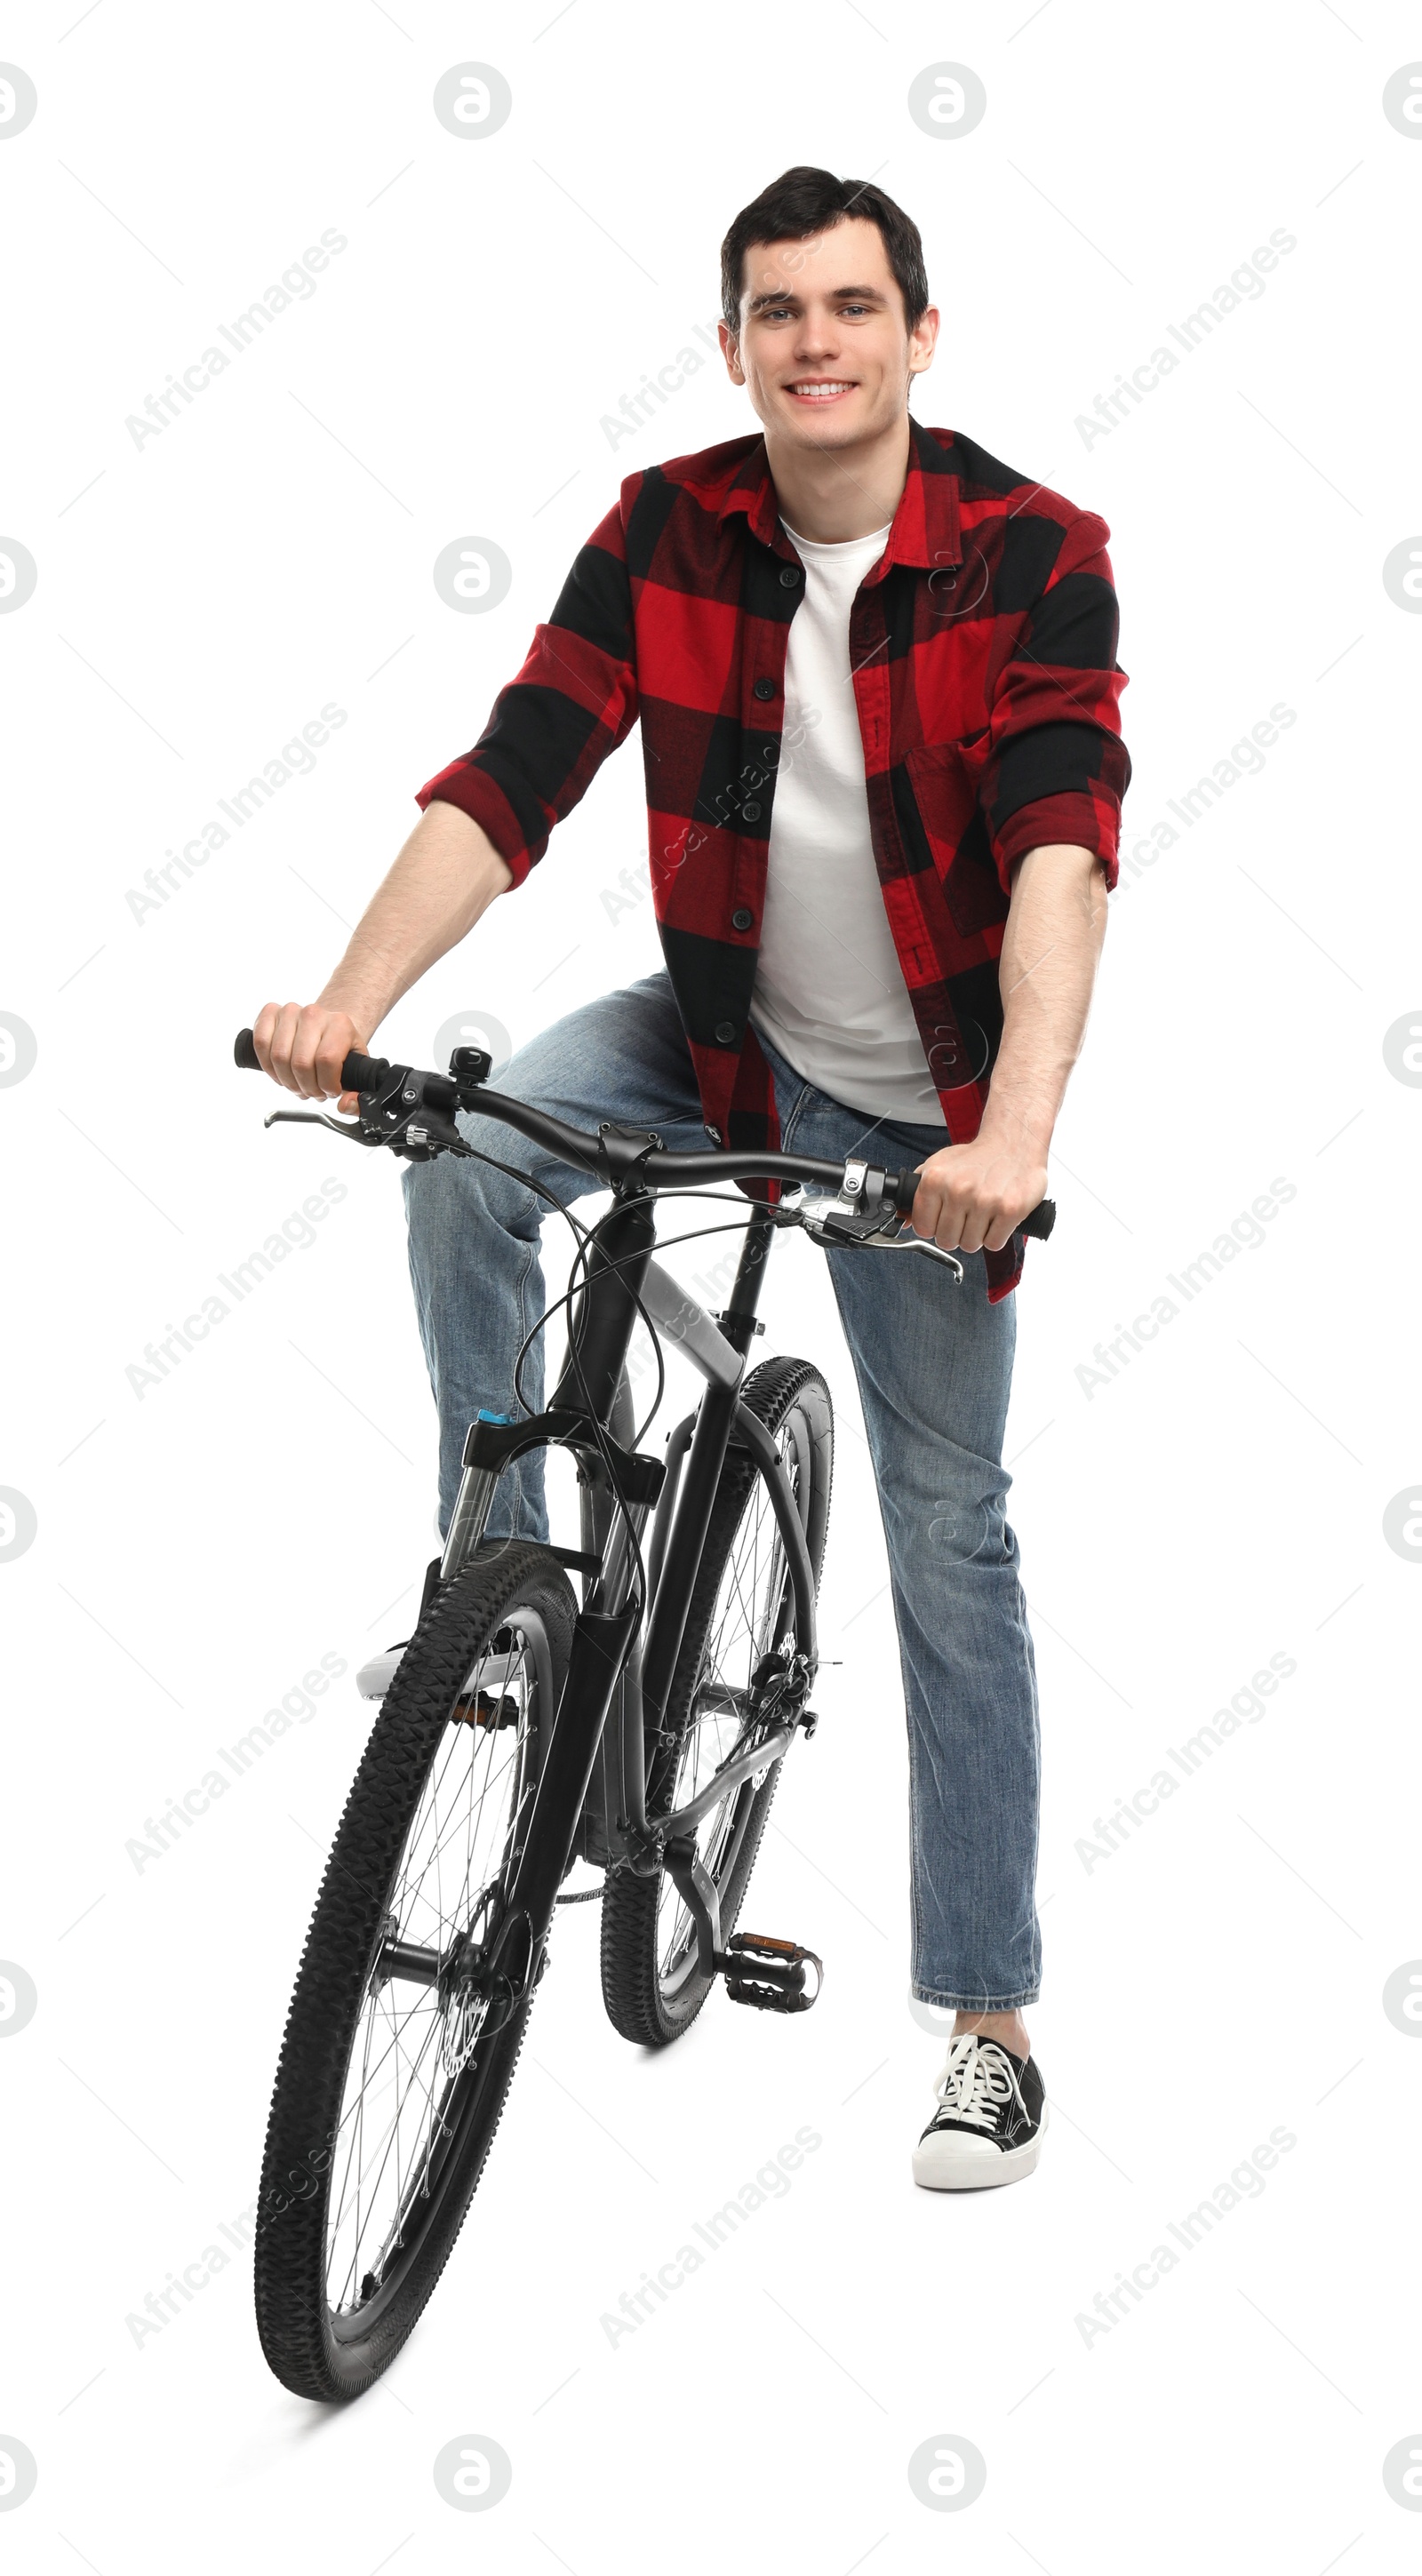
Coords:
397,2057
742,1610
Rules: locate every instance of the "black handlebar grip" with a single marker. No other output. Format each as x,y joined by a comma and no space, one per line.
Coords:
903,1188
358,1073
364,1072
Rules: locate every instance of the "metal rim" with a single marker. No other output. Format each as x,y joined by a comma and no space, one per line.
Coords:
413,2076
754,1609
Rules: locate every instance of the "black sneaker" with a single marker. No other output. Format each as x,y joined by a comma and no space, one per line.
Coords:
989,2122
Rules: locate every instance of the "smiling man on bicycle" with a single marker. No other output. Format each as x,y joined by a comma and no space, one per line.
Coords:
876,676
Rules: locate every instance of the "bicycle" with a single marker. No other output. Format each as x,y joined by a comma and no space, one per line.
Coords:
641,1729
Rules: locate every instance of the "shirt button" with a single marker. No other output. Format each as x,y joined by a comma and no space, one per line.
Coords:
764,689
789,575
741,918
715,1135
751,810
725,1032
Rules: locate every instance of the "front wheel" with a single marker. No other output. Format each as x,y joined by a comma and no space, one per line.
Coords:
398,2055
742,1610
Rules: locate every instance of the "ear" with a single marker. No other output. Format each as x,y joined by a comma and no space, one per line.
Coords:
730,351
923,339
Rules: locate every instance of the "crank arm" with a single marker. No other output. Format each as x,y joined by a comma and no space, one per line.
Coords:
697,1890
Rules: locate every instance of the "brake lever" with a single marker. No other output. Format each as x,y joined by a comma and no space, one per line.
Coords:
838,1222
424,1132
319,1118
907,1241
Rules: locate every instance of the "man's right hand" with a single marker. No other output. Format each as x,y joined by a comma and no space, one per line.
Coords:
304,1049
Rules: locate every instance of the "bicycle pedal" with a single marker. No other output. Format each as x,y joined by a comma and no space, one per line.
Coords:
486,1711
769,1974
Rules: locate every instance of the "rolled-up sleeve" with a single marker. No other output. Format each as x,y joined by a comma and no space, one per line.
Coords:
552,727
1057,768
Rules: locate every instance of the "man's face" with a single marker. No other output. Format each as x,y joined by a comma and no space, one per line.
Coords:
823,350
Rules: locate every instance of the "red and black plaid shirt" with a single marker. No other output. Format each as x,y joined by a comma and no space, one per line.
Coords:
983,649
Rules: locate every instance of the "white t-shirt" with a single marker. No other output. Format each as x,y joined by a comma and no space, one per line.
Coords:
829,989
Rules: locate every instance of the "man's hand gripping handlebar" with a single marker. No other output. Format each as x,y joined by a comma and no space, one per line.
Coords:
411,1114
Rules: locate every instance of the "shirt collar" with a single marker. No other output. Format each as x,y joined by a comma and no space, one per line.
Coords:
925,528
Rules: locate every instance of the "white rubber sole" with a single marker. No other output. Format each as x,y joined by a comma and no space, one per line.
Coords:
374,1679
943,2163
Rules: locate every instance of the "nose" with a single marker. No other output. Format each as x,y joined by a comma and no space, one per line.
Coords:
817,340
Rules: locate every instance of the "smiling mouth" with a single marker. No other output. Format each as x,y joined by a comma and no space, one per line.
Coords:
821,388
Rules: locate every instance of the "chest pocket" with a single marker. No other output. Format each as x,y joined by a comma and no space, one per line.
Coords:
945,777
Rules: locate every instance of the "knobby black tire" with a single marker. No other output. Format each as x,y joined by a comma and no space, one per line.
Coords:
632,1987
294,2318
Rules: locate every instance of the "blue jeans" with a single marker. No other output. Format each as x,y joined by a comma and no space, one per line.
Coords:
934,1365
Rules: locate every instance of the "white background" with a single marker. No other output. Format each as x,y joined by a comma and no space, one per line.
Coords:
1221,1500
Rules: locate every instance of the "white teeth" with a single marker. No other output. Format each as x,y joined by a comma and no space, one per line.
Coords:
819,392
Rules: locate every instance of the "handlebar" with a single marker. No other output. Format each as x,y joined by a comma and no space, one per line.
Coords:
441,1094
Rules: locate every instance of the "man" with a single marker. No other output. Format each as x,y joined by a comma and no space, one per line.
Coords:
877,682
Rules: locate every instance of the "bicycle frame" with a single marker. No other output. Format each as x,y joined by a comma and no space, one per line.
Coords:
625,1648
696,1453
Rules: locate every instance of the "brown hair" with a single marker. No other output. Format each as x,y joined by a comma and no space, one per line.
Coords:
805,200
